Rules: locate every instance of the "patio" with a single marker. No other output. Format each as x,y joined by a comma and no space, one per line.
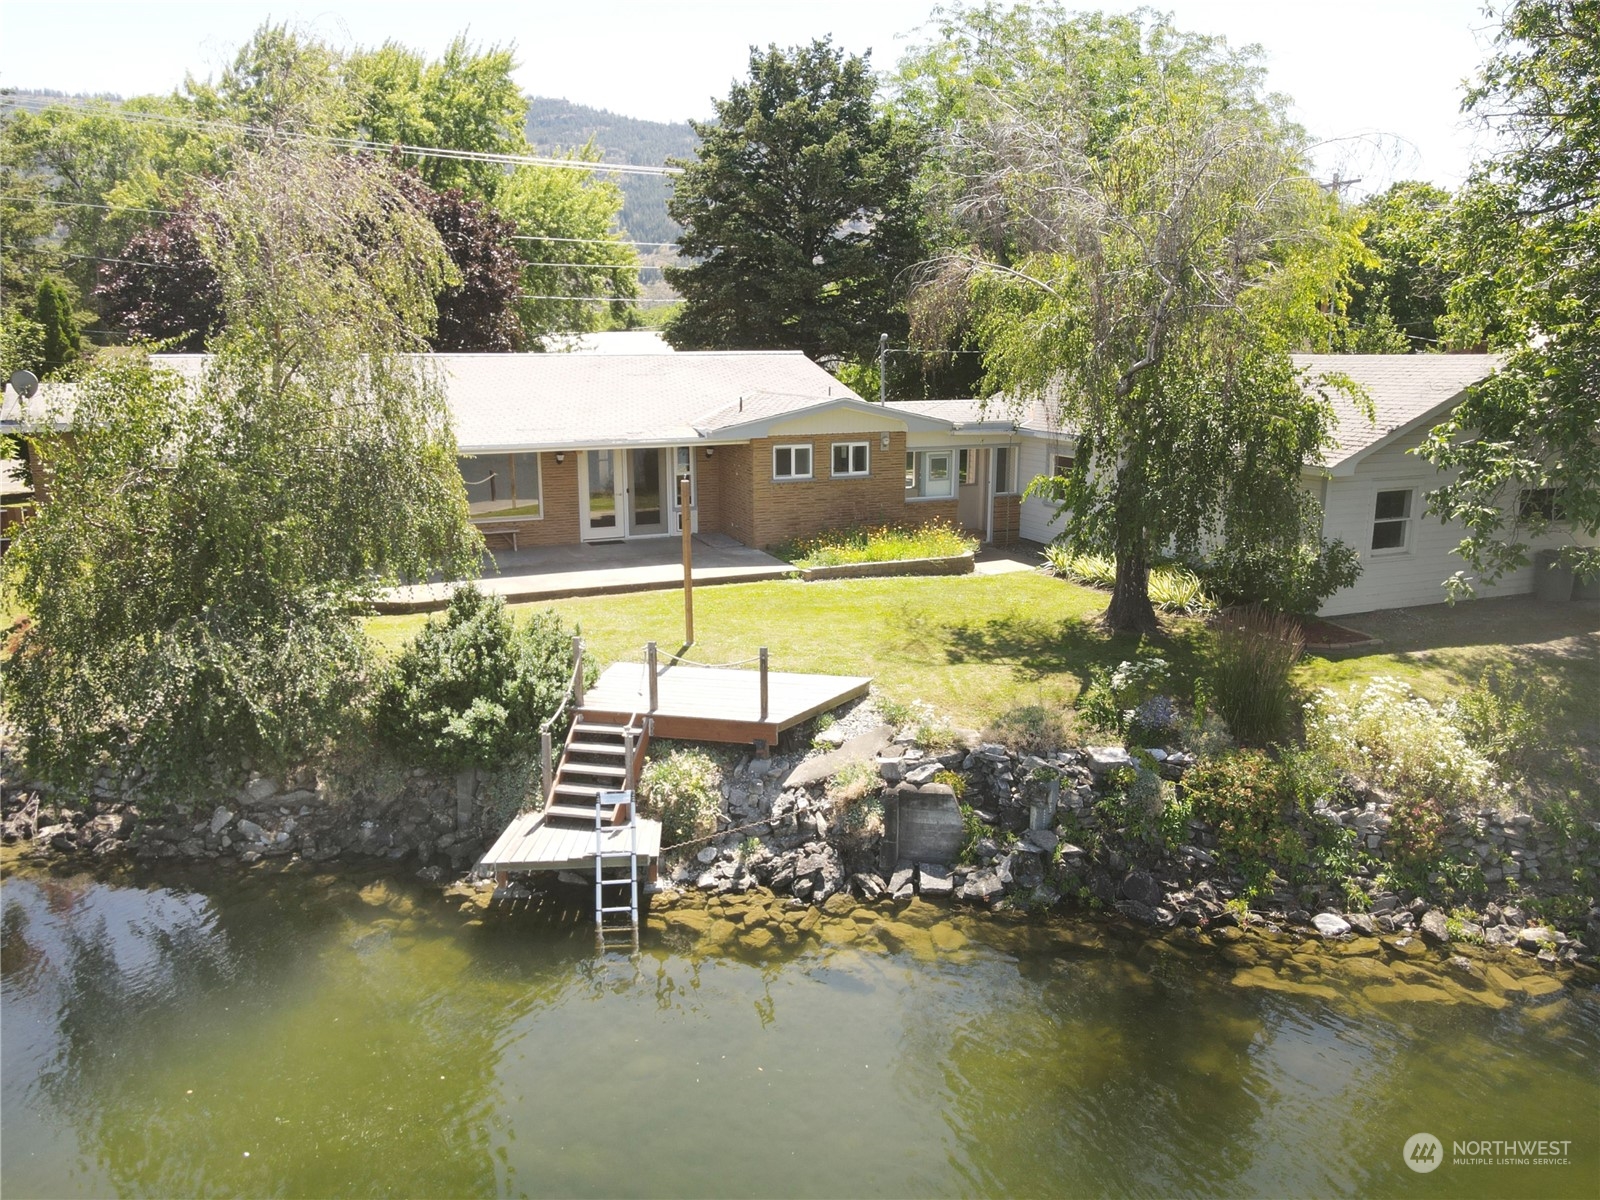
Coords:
595,569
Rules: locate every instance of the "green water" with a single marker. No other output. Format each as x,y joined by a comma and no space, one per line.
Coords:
329,1037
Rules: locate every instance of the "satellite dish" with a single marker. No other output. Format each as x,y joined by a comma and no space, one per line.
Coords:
24,383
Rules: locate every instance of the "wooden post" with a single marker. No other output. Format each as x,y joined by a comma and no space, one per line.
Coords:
650,670
546,783
763,683
686,519
577,671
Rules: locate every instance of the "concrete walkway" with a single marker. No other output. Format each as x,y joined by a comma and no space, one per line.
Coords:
1007,560
555,572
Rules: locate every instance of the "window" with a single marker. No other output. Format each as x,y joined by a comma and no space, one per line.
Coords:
928,475
964,467
792,462
501,485
1062,465
1542,503
1391,519
683,464
850,458
1002,471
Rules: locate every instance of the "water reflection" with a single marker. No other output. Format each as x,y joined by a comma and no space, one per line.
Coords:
328,1036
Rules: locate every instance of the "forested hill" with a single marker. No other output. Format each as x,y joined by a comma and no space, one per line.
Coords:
556,125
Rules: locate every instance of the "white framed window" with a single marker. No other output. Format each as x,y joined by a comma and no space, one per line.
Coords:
502,485
1004,461
1391,520
792,462
1062,465
851,459
930,475
965,467
1541,503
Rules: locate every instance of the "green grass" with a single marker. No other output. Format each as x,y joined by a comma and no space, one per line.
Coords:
976,647
885,543
972,646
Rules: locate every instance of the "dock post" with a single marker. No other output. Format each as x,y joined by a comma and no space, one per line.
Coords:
577,671
650,670
763,683
546,783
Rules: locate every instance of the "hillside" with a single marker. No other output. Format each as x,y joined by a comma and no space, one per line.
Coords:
558,125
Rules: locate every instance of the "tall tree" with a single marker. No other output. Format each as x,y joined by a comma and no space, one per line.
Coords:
53,310
571,250
1523,446
162,286
1144,247
191,582
801,211
1398,292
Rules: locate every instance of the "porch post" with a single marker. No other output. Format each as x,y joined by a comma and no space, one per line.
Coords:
577,671
686,519
650,670
763,683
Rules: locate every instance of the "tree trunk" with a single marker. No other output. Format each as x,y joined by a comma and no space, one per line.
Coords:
1130,610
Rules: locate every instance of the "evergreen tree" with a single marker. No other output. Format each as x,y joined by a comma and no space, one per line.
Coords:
62,342
800,210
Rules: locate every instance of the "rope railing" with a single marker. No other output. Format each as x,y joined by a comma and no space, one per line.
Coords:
652,669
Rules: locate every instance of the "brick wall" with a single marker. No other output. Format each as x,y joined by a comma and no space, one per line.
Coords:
738,513
708,488
1007,520
560,495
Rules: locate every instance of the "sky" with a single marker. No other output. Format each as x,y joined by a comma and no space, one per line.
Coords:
1376,82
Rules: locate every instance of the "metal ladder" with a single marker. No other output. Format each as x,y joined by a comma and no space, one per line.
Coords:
608,927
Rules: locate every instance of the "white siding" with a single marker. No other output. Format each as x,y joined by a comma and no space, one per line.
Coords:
1033,460
1415,575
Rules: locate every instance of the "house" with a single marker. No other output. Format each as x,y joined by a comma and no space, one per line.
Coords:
1371,487
562,449
568,448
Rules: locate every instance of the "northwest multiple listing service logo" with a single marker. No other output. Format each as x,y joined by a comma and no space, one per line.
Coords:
1423,1153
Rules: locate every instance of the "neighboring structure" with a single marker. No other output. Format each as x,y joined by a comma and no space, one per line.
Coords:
1372,488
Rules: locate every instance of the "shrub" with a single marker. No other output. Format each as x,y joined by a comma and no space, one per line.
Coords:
883,543
682,790
1501,717
1387,734
1416,832
1242,796
1254,652
1173,588
1113,699
1296,580
855,781
472,689
1030,729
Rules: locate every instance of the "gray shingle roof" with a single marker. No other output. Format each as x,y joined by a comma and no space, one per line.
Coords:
1406,391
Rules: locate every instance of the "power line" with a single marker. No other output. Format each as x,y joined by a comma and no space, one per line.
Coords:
168,212
443,152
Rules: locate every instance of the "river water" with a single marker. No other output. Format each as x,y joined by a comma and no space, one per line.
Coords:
298,1035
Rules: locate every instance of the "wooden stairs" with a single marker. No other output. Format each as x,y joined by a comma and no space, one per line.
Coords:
593,785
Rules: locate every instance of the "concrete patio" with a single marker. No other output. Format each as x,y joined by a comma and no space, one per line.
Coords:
607,568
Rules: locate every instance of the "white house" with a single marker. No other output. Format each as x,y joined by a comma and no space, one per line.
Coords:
1373,490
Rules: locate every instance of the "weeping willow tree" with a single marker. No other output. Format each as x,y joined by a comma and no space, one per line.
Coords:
1135,240
192,580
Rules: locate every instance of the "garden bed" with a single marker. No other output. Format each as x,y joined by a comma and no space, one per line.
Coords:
950,564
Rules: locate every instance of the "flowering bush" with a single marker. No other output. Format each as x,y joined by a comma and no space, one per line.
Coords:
1389,735
683,791
1112,700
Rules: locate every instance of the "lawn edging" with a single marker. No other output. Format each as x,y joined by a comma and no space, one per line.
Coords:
953,564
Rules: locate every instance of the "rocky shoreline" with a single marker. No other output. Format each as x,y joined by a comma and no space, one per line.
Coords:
1030,833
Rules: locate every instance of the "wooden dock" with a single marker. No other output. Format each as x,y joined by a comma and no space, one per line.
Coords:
531,843
717,704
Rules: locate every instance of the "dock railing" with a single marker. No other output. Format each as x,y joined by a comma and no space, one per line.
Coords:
652,670
574,697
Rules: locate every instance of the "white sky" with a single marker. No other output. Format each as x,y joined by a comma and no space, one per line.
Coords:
1355,69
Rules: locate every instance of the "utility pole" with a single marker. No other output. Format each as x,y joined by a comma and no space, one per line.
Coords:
883,368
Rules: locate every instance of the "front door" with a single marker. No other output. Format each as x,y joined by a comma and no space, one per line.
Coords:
647,499
972,490
601,519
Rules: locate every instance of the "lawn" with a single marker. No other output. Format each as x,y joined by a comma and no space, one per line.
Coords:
972,646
